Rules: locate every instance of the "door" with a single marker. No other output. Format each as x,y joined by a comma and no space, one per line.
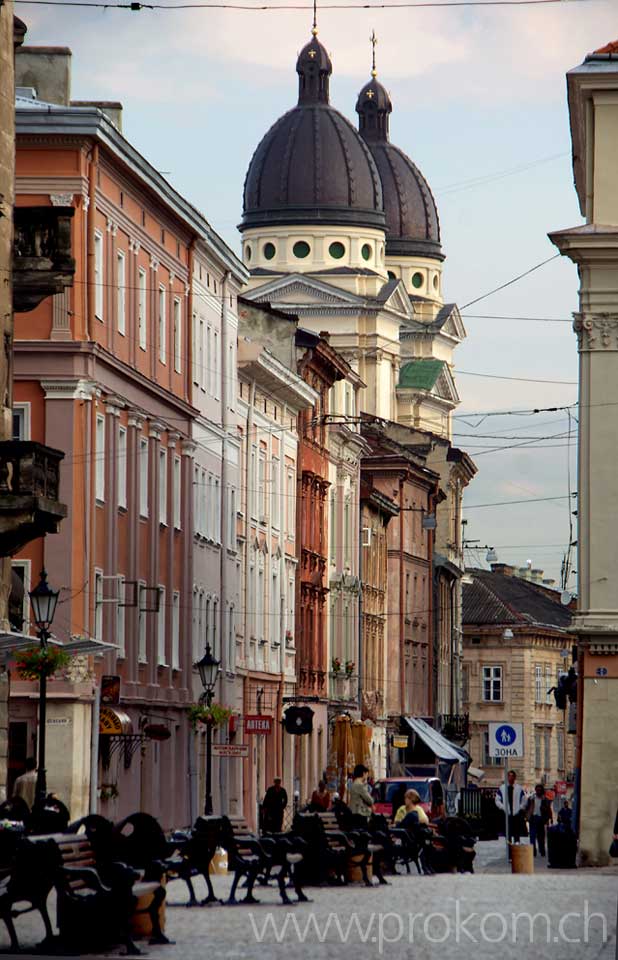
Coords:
18,752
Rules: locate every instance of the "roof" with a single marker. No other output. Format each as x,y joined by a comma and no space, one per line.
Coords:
34,117
420,374
496,598
443,748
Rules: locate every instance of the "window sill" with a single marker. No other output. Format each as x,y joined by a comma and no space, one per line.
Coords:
143,516
122,508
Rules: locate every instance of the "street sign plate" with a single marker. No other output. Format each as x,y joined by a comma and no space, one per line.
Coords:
506,740
257,723
231,750
400,742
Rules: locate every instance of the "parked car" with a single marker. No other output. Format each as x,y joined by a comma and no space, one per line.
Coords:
388,794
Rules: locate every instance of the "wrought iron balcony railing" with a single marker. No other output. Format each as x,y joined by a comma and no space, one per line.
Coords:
455,726
42,261
29,491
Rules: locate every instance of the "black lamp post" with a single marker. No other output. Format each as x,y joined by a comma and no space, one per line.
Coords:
44,601
208,669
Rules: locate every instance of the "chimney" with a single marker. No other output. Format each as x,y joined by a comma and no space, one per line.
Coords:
549,582
48,70
536,575
504,568
111,108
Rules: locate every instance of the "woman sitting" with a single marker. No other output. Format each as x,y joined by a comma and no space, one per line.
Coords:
411,804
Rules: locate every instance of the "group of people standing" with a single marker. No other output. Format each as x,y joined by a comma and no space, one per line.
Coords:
535,809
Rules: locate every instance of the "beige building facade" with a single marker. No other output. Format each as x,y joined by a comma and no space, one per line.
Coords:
593,246
516,642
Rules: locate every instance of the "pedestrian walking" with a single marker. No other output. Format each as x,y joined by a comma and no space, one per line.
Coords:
515,802
275,802
540,815
360,799
25,786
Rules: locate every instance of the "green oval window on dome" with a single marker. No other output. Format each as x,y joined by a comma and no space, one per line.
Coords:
336,250
417,280
301,249
391,275
269,251
366,251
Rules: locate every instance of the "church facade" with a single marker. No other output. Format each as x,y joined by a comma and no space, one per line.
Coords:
340,229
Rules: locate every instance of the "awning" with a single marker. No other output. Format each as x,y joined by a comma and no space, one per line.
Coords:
12,642
476,773
82,645
114,722
442,748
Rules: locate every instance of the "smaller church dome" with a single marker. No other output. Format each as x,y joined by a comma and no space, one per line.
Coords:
412,224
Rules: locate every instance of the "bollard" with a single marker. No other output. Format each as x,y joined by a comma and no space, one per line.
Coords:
522,857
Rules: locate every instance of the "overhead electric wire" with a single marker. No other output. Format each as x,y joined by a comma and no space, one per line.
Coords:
508,283
495,376
137,6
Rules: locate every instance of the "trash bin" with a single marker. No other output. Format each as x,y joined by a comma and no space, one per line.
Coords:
522,857
218,864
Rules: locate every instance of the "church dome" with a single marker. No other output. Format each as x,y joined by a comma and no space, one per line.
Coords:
412,224
313,167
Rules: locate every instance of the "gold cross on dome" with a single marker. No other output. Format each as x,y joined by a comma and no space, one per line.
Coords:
312,54
374,41
370,94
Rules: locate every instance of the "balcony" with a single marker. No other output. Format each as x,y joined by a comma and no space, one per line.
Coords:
29,488
42,261
455,727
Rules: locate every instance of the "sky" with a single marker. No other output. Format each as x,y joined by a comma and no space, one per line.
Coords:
479,104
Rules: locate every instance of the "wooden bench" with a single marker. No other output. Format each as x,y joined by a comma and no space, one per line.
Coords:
100,903
273,856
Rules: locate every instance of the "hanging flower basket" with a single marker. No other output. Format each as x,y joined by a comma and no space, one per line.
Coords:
215,715
36,662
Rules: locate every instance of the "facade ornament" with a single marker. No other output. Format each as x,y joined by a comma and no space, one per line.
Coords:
136,420
596,331
156,428
154,263
61,199
188,448
86,202
109,224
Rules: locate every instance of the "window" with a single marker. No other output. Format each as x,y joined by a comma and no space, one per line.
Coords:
19,605
161,628
201,373
204,504
492,684
98,605
215,625
121,292
21,421
195,624
120,618
549,697
539,696
251,600
216,362
560,764
209,367
177,493
207,606
537,748
194,349
163,487
232,518
98,275
465,683
259,605
143,477
100,458
261,507
547,748
162,326
488,760
121,467
141,309
142,655
176,631
177,334
289,505
275,512
216,533
229,377
251,489
231,640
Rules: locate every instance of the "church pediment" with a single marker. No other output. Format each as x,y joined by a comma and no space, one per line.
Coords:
430,377
299,289
449,322
393,296
445,387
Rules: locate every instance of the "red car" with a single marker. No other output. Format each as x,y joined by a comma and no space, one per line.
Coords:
392,789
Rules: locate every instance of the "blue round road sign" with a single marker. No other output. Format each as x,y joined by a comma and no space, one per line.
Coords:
506,735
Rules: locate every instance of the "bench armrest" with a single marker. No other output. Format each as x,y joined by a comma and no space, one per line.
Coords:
89,875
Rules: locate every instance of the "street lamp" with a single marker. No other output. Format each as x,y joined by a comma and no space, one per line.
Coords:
44,601
208,669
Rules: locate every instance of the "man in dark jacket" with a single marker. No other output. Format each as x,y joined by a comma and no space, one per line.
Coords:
275,802
540,814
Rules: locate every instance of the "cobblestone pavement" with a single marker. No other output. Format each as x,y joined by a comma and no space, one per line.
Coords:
560,915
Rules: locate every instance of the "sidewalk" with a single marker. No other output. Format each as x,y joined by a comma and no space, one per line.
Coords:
491,859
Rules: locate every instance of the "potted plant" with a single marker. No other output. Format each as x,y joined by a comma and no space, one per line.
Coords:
215,715
36,662
349,668
336,665
289,638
